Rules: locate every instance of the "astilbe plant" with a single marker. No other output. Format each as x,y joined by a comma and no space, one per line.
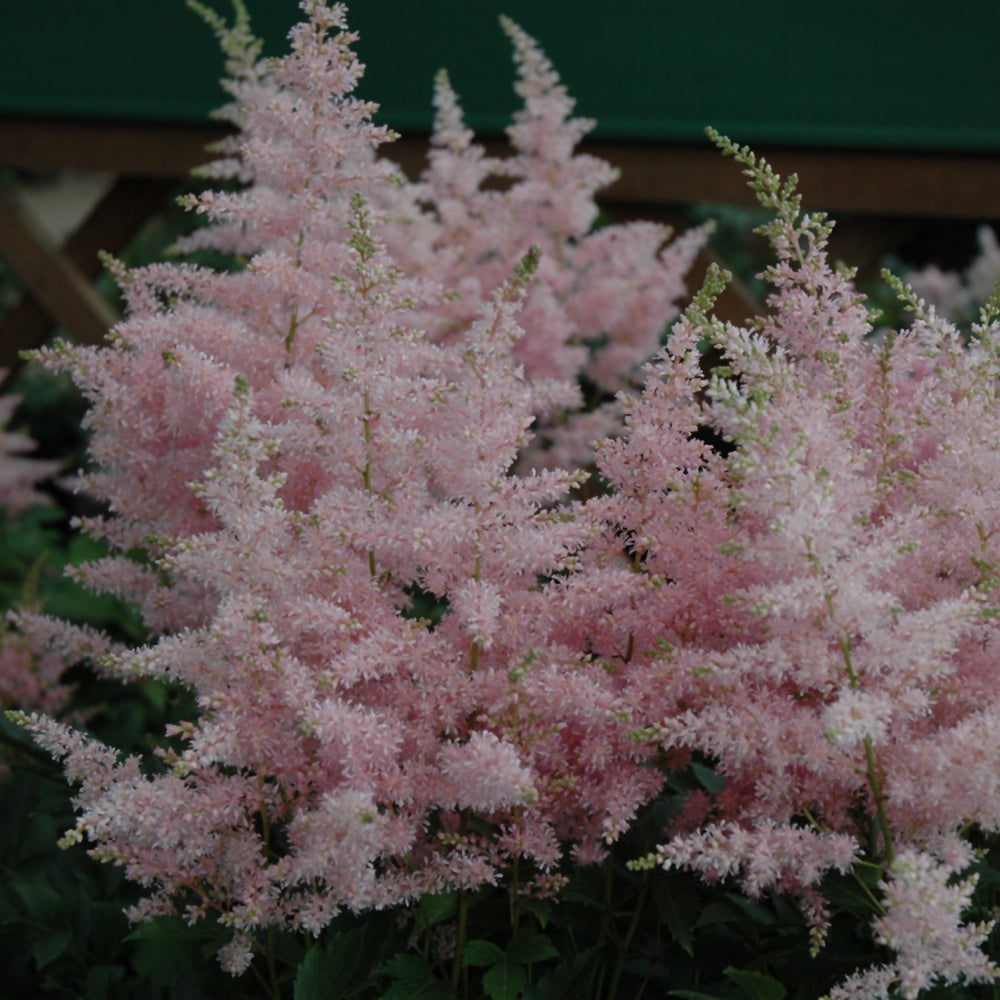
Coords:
29,674
609,288
20,472
293,458
601,299
792,576
808,597
959,297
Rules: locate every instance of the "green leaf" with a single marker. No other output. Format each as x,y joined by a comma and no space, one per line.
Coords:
480,952
14,736
855,893
326,972
167,948
168,930
694,995
708,777
415,980
718,913
436,909
505,980
679,905
758,985
540,909
102,981
530,946
50,946
757,912
563,982
42,903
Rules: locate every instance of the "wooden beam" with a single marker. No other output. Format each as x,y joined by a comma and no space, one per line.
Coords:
58,286
890,184
867,182
882,182
141,149
111,225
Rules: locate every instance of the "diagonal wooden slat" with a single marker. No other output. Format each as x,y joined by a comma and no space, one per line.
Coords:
111,225
53,281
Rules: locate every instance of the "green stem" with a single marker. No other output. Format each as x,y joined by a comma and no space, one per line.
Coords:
272,970
477,576
872,772
293,326
876,904
879,796
463,920
515,910
255,972
608,896
367,420
265,820
629,934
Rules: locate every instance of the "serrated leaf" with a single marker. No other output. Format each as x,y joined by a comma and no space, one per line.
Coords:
480,952
436,909
161,962
562,982
49,947
403,966
708,777
415,980
846,894
757,912
13,735
717,913
168,929
679,905
326,972
102,980
505,980
42,903
681,783
540,909
167,948
530,946
758,985
313,979
430,990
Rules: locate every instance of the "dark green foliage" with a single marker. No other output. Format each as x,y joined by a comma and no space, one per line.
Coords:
507,970
61,914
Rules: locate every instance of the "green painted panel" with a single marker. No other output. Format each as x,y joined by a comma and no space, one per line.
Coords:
140,59
873,73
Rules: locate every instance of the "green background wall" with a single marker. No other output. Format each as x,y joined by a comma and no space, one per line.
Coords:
877,73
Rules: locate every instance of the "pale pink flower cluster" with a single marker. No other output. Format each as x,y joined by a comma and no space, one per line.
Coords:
29,672
614,285
601,300
810,602
793,578
19,473
923,925
956,296
305,450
